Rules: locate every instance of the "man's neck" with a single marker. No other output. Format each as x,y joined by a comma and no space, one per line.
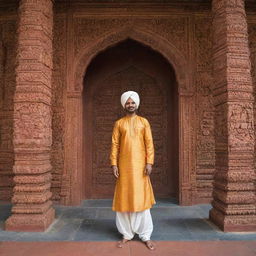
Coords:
130,114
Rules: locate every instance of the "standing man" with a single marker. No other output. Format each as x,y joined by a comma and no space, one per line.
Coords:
132,157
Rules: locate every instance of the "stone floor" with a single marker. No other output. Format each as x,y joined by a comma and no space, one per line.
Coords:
94,221
90,230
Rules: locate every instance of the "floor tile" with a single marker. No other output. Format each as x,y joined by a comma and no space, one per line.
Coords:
80,213
64,230
97,230
97,203
106,213
10,235
166,202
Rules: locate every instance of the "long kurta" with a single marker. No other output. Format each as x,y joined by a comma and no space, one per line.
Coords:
132,148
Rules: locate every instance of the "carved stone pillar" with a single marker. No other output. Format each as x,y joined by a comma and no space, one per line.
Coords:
234,187
32,209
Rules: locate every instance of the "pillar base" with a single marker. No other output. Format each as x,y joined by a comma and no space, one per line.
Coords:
30,222
233,223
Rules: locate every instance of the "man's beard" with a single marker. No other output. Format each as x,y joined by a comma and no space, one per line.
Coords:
130,110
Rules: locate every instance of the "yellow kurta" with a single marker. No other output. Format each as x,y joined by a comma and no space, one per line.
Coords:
132,148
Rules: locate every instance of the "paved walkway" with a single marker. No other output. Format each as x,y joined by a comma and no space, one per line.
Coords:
90,230
134,248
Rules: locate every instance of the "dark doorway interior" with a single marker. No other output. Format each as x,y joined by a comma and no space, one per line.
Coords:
130,65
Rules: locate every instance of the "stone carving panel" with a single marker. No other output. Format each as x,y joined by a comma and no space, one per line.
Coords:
33,124
203,47
173,29
205,109
7,87
58,92
252,45
240,127
88,30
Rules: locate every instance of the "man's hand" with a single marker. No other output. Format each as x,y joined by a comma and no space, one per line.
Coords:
148,169
115,171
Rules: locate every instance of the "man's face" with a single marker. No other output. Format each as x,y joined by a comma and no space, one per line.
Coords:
130,106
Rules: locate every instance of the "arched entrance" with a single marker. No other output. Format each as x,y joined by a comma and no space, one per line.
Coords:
130,65
74,186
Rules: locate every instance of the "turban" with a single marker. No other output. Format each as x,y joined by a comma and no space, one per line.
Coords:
130,94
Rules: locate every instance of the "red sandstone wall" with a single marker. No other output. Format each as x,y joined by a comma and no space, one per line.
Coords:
191,35
7,87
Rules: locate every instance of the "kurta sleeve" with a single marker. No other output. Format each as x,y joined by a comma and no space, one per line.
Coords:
115,144
149,144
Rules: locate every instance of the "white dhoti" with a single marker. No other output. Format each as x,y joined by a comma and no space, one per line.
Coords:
131,223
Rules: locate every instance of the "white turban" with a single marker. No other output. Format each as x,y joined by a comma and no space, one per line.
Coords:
130,94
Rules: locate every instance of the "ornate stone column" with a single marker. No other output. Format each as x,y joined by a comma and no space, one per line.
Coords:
32,209
234,187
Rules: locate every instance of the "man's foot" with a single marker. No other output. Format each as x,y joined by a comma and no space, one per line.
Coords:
121,243
150,245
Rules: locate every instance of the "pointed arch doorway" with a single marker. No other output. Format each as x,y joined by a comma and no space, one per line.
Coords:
130,65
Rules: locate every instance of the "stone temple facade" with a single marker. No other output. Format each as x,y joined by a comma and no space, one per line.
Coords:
63,67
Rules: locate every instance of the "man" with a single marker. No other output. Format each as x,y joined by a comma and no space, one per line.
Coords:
132,157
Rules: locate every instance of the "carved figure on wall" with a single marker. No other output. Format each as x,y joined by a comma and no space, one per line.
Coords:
132,157
241,126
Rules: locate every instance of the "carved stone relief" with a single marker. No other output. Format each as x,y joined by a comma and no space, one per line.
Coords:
172,29
205,109
58,102
252,46
7,87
